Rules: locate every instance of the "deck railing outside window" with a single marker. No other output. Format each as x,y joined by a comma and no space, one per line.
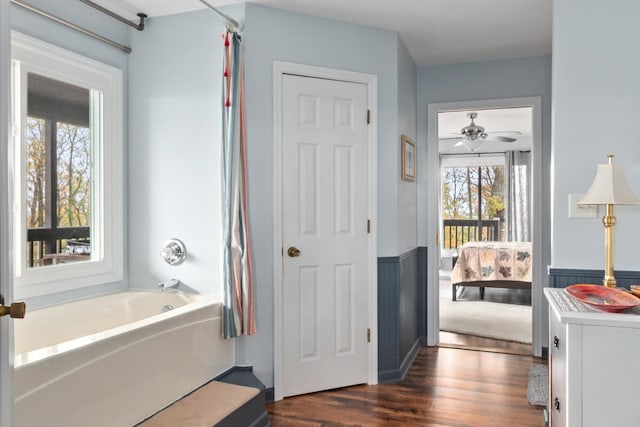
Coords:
457,232
45,242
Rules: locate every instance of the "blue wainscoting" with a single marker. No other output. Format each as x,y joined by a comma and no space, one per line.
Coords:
402,290
422,295
563,277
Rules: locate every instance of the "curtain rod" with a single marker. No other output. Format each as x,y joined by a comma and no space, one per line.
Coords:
231,23
71,25
139,26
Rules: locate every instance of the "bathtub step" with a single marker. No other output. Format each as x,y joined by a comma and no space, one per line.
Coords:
214,404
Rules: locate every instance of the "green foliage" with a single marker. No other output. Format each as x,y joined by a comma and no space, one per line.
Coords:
73,174
36,173
471,193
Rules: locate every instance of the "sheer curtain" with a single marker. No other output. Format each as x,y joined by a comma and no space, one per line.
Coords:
519,193
238,317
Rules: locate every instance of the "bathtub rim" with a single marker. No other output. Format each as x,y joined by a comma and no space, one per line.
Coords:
33,356
219,298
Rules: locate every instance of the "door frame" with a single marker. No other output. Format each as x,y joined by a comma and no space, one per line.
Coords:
371,81
6,239
433,207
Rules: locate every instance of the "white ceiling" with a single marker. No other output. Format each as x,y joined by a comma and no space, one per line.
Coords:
435,32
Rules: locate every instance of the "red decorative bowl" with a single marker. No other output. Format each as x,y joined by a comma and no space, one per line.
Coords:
606,299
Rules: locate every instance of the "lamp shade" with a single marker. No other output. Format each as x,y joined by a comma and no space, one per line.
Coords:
610,187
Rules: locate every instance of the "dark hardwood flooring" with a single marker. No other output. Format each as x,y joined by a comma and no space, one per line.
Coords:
444,387
471,342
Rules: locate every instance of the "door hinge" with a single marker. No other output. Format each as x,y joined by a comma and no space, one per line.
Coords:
368,226
368,116
437,239
368,334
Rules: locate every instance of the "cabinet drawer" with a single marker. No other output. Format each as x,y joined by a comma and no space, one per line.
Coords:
557,372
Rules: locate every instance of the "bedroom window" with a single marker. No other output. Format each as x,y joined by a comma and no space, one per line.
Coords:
67,169
473,199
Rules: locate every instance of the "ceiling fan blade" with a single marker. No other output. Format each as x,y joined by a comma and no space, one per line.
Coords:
506,132
449,139
503,138
499,139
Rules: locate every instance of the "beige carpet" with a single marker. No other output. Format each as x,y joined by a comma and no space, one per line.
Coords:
508,322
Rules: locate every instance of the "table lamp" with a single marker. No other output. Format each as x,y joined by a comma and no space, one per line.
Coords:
609,188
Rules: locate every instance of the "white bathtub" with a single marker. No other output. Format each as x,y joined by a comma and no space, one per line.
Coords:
113,360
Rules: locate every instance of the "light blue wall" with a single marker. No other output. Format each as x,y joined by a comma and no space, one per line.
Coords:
44,29
36,26
173,127
175,130
274,35
596,105
407,203
510,78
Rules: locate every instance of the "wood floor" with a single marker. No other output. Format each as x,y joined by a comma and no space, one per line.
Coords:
449,339
444,387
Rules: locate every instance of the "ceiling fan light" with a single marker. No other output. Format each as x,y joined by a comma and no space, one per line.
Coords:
472,144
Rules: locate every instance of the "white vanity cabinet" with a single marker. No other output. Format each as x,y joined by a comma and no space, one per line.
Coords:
594,364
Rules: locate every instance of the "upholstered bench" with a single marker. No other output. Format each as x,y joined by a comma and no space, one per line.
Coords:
214,404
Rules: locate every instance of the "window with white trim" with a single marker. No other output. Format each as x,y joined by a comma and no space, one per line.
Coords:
68,202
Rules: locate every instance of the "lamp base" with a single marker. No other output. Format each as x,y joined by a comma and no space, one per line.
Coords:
609,282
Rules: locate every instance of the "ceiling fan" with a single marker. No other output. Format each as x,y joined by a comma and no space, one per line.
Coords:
474,136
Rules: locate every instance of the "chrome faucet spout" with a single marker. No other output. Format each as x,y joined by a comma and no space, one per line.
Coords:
169,284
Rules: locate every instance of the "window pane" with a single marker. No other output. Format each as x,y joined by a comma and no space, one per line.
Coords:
59,202
492,192
74,175
36,173
493,203
473,204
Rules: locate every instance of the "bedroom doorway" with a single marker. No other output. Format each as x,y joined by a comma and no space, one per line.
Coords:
485,209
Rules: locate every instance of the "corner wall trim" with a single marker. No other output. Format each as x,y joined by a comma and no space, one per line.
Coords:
394,375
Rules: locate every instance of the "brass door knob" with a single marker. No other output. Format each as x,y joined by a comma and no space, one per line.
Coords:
15,310
293,252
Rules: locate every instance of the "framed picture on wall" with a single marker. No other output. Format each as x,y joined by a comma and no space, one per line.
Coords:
408,148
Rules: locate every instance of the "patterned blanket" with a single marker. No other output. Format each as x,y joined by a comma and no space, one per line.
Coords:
493,261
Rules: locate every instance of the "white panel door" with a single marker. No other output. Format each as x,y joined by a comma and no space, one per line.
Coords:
324,212
6,284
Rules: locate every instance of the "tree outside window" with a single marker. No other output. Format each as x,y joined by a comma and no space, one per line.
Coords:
473,204
58,167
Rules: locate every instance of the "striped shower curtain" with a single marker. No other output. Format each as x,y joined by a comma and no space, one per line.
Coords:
238,317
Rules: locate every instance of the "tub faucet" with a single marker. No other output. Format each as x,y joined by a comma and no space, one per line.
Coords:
169,284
